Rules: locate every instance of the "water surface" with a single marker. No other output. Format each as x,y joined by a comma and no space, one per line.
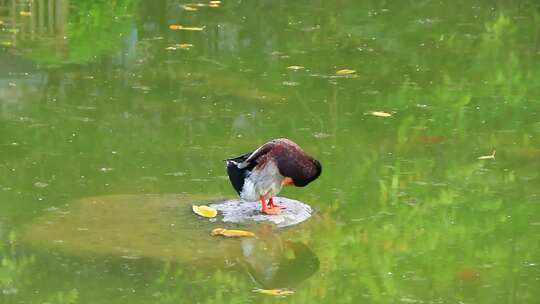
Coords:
103,98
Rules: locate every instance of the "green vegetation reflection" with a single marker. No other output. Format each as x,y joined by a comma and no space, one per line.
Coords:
106,103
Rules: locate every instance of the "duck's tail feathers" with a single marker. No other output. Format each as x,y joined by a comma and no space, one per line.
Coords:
238,170
236,175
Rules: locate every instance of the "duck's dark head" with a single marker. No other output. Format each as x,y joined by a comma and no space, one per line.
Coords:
315,172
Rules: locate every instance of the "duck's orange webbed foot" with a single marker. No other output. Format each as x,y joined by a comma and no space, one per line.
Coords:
271,204
268,209
271,211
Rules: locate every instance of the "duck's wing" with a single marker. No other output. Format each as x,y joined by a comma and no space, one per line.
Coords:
268,149
239,159
251,159
290,159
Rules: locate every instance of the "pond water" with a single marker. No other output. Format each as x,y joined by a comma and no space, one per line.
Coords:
437,200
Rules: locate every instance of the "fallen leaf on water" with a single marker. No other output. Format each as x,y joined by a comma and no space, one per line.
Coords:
215,2
467,274
183,46
231,233
178,27
275,292
290,83
321,135
380,113
344,72
189,8
40,184
204,211
388,245
492,156
214,5
295,67
25,13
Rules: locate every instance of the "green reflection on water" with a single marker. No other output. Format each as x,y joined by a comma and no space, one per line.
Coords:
93,104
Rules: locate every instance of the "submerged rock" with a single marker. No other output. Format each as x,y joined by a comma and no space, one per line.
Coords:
158,226
128,226
164,227
242,212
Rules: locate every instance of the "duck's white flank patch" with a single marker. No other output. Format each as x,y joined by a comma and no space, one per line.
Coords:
262,182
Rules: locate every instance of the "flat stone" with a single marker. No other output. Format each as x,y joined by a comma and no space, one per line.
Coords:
242,212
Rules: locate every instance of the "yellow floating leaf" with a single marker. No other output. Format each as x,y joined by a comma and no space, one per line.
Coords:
25,13
380,113
275,292
492,156
215,2
189,8
183,46
194,28
214,5
344,72
295,67
204,211
231,233
179,27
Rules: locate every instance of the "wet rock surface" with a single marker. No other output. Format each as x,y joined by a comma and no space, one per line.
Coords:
242,212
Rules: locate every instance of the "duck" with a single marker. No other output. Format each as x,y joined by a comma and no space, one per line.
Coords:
259,175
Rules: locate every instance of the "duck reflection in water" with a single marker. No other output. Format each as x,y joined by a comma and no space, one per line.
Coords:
273,262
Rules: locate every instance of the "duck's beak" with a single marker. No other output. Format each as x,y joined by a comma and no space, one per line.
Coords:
287,181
